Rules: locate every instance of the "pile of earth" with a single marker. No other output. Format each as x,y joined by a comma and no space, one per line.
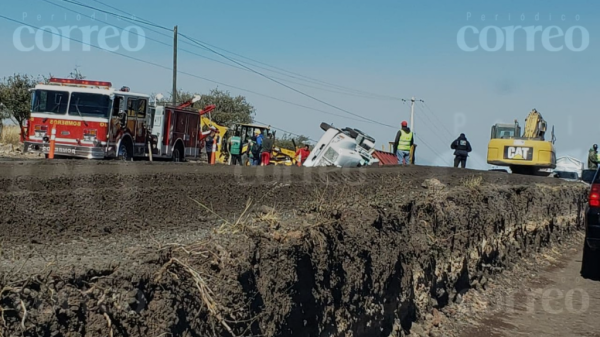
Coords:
148,249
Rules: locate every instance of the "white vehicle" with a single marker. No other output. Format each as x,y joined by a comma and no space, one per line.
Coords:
568,168
345,147
566,165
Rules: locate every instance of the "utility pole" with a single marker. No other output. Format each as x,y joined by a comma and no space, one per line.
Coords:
175,66
412,114
412,111
412,125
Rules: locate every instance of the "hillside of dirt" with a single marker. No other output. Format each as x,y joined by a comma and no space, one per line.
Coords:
156,249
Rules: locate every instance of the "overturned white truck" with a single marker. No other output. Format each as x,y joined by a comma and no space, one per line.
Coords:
345,147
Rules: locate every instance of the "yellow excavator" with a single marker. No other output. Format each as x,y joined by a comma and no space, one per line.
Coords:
279,156
528,153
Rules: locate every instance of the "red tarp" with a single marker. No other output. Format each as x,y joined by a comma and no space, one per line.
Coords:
385,158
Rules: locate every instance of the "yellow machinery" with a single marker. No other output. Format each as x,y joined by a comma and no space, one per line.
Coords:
221,155
528,153
279,156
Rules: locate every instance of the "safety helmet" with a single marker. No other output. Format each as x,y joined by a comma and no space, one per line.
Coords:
404,123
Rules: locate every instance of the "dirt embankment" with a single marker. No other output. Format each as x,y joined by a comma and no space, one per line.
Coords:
328,260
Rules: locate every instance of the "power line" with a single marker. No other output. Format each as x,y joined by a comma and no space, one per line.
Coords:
285,85
210,58
117,15
428,146
196,54
365,94
437,135
477,160
291,133
187,73
439,120
206,79
436,125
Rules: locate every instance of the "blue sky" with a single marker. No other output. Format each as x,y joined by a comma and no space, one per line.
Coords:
393,48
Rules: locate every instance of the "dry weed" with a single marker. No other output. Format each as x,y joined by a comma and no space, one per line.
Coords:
10,135
271,217
316,238
206,294
472,181
239,226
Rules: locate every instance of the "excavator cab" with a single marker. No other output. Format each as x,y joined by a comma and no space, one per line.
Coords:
524,153
506,131
278,156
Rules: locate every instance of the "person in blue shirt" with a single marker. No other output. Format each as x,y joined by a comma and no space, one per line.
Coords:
259,137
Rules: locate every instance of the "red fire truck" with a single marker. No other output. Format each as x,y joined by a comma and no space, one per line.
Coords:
95,121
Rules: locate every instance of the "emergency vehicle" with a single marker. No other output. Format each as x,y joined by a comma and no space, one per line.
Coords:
94,120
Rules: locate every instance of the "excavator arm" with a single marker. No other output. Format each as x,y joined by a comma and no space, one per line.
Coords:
202,112
535,126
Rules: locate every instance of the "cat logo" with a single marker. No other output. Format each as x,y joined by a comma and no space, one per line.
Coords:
518,153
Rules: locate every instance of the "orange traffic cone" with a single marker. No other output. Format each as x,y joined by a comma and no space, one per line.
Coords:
52,141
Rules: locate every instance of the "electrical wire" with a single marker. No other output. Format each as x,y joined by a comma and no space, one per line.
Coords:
206,57
206,79
288,132
438,135
287,86
187,73
364,94
477,159
439,120
145,22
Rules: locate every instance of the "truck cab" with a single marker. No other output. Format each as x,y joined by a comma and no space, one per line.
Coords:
89,119
345,147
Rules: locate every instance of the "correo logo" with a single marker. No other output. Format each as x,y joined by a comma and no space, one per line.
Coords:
494,38
26,38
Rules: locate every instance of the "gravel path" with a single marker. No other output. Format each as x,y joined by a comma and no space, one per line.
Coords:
557,301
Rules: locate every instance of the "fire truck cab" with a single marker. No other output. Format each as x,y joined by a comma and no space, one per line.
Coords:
91,120
94,120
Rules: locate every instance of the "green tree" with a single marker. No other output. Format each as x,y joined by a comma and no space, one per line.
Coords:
287,141
229,109
76,74
15,96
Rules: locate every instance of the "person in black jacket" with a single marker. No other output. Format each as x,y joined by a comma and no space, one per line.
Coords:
461,147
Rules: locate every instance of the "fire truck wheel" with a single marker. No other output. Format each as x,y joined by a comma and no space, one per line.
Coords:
178,154
125,152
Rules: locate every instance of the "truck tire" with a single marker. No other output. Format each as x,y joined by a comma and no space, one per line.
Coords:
178,153
325,126
126,150
590,263
360,132
351,132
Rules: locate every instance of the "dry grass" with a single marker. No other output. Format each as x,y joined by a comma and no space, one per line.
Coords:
239,226
472,181
270,217
10,135
206,294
